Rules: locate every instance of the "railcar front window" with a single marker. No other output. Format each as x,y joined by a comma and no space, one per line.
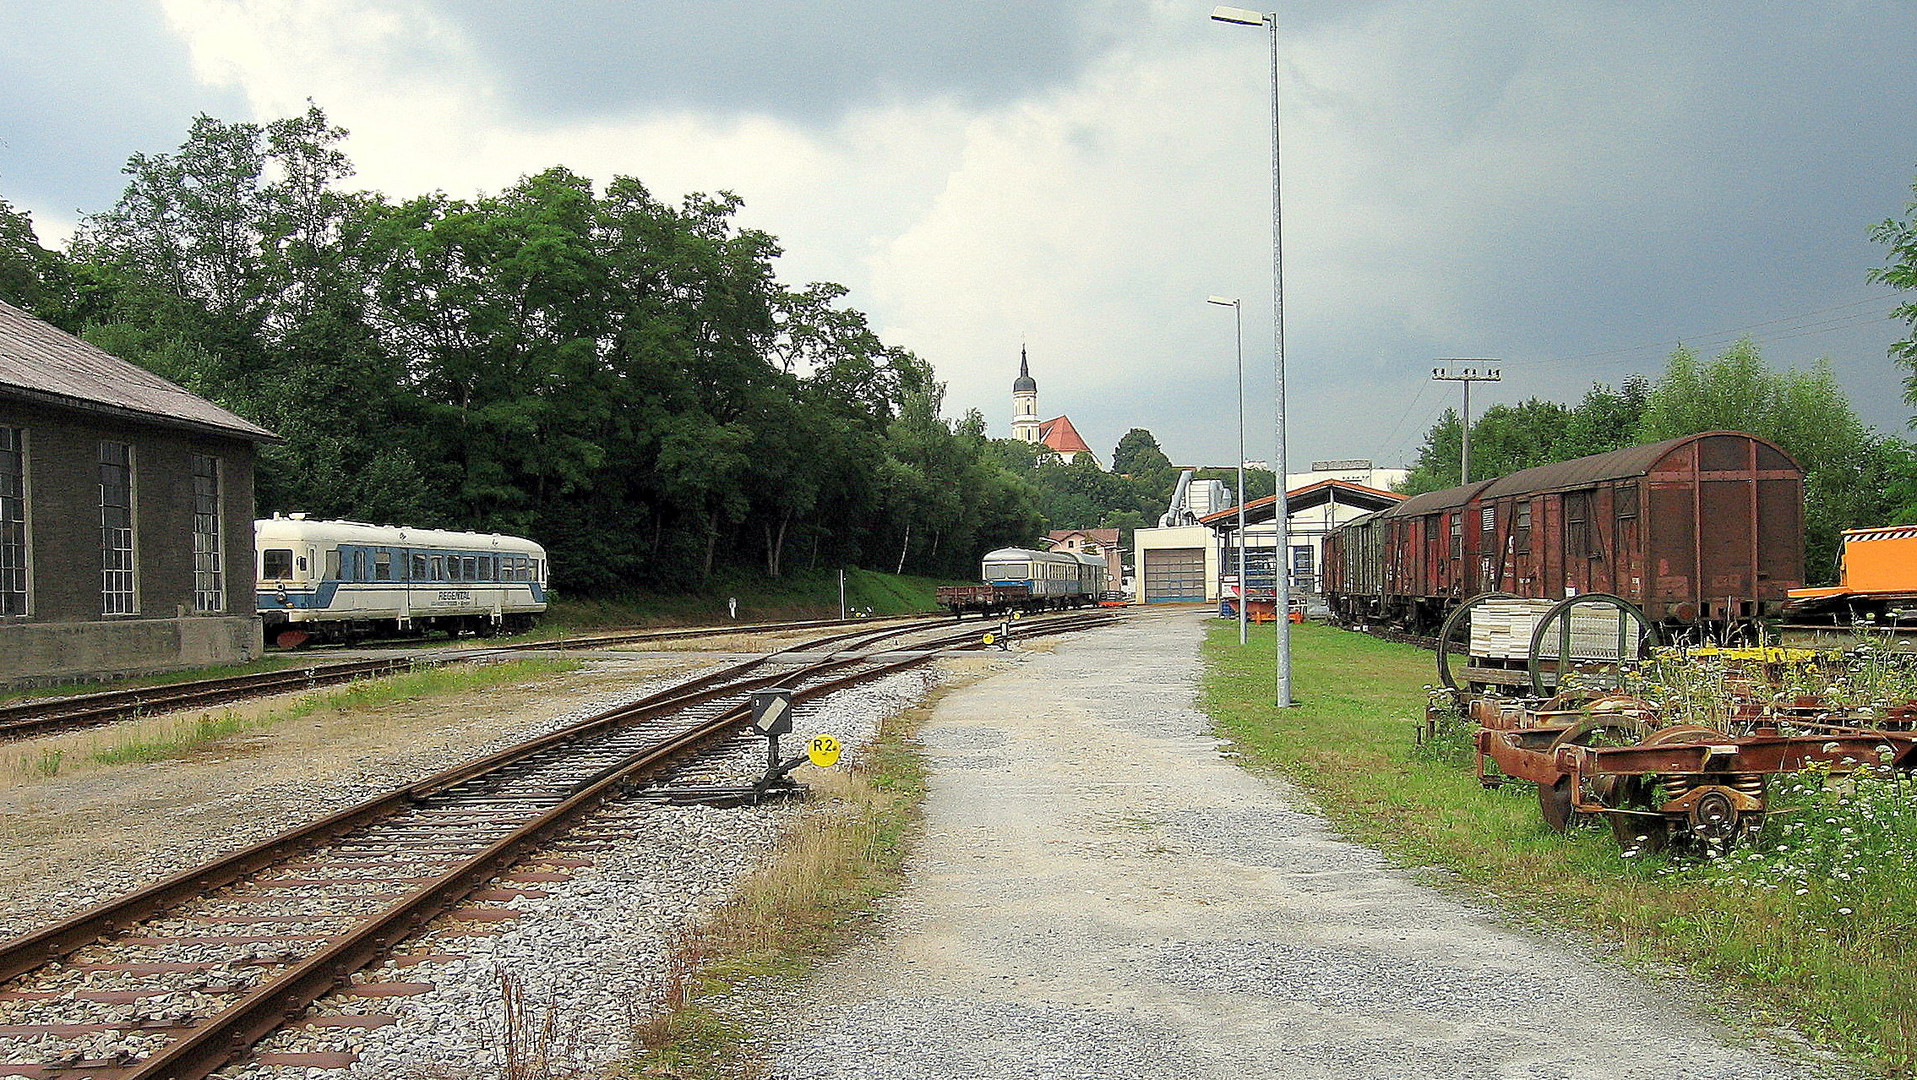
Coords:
276,564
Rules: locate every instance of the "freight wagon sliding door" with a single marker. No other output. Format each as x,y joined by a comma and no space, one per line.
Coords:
1174,574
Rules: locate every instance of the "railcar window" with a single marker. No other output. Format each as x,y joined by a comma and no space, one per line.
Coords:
1521,527
454,571
332,565
1457,535
420,567
472,568
382,566
276,564
1626,500
439,568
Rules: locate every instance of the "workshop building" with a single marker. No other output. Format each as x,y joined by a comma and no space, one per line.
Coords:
126,515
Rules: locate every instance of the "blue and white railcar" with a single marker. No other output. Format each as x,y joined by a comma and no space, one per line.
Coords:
339,580
1055,578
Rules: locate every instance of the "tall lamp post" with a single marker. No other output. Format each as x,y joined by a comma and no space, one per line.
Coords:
1238,325
1281,508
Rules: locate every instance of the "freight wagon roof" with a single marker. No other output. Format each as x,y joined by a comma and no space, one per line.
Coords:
1448,499
1597,468
41,363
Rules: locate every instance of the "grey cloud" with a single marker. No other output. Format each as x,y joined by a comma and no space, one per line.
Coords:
87,85
804,61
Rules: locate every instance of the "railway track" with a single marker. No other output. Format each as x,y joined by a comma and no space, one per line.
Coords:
179,979
31,719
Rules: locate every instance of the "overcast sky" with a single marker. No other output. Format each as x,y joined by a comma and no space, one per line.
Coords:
1571,186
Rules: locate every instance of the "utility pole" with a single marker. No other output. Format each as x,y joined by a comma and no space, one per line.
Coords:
1467,376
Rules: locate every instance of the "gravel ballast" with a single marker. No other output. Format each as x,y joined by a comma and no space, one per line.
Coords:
1100,892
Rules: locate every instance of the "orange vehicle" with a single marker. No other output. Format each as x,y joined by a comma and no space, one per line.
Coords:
1877,574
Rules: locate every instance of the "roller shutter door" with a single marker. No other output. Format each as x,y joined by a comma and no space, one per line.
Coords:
1174,574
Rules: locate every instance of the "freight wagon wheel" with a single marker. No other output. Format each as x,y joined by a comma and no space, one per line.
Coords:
1460,617
1560,614
1603,729
1646,831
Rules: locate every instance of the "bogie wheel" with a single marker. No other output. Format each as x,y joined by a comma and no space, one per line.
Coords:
1603,729
1644,830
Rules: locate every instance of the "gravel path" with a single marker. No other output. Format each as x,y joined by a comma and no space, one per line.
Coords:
1100,893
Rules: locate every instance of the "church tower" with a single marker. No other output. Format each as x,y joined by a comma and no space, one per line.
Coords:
1024,402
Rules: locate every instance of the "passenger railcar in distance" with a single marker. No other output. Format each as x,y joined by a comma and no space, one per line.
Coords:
1703,529
327,581
1021,579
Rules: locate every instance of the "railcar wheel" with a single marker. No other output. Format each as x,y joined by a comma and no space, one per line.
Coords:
1645,831
1560,612
1603,729
1459,616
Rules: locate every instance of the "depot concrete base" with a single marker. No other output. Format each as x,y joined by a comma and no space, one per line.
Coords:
43,653
1102,892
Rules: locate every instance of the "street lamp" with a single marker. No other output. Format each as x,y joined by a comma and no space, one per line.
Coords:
1238,324
1282,506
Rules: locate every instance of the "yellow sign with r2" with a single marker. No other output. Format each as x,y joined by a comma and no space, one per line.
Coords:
824,750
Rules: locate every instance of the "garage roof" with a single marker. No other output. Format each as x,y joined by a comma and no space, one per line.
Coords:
41,363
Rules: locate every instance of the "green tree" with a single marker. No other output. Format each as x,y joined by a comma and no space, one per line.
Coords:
1900,272
24,264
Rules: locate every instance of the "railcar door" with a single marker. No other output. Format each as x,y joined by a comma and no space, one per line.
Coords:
1578,548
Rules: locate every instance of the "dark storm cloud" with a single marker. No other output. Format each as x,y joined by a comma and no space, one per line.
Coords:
804,60
86,87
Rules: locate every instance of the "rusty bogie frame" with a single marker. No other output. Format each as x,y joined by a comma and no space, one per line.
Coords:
1658,785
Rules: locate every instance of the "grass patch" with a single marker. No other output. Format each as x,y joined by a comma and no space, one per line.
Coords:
167,737
813,595
837,859
1349,743
136,682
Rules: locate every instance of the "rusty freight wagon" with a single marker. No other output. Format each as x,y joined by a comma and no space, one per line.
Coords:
1701,529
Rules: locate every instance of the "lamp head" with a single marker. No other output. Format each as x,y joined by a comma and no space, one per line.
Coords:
1238,16
1224,301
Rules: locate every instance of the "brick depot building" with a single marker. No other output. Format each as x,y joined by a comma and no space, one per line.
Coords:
126,515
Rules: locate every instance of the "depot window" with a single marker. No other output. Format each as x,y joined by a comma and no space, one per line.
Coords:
209,573
117,595
13,522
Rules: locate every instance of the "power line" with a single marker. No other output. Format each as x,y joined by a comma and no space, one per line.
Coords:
1801,324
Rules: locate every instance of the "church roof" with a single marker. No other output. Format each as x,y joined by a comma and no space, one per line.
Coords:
1059,434
1024,384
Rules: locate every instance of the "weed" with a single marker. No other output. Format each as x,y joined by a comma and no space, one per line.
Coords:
1818,923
